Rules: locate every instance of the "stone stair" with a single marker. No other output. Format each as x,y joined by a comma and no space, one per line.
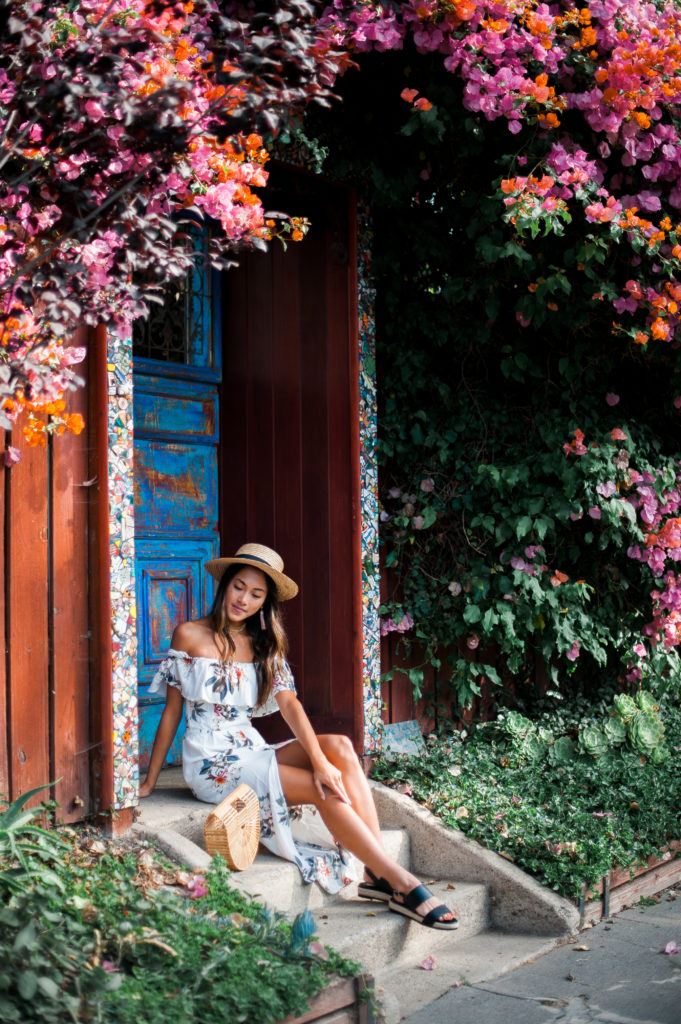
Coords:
505,917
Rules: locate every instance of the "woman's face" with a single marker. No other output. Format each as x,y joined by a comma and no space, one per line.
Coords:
245,594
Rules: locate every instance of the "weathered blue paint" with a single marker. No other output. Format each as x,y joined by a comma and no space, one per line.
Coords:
170,408
176,498
175,487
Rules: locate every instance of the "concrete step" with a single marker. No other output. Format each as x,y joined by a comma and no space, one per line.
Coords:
404,988
377,937
277,882
506,918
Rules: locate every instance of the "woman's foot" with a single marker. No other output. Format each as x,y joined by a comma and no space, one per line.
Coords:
420,905
417,899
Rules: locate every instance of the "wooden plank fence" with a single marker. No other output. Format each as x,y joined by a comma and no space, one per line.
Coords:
44,675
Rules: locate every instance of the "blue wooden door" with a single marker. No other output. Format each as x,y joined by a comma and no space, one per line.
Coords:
176,375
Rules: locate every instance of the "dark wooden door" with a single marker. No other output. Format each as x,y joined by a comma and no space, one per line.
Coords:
290,437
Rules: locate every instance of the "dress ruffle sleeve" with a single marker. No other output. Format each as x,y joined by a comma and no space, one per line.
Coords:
283,680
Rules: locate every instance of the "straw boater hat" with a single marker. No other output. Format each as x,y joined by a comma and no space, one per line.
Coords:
262,558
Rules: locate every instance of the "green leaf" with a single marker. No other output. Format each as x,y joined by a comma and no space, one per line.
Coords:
523,527
489,620
542,525
48,987
25,938
27,985
472,614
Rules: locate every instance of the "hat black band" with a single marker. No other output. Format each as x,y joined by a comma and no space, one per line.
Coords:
254,558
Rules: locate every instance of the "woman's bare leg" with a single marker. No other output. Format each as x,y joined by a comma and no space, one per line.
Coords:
345,824
341,753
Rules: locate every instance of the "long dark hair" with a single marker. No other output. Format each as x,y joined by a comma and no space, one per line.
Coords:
270,646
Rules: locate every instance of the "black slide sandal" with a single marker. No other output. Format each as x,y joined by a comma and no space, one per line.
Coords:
407,906
376,889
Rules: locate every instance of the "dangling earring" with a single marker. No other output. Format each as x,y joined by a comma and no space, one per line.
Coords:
262,619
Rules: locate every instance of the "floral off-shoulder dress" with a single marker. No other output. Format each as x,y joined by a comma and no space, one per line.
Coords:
222,749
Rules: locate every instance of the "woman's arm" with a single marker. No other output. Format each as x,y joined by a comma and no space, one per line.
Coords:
165,734
323,772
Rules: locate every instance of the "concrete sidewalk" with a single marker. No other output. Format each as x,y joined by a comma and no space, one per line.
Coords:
622,978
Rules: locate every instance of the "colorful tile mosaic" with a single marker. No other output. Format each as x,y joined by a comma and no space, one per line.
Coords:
122,572
368,432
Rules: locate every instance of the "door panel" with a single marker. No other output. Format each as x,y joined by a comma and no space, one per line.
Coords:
176,486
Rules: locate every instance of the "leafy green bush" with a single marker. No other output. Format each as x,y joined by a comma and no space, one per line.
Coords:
564,810
511,544
90,931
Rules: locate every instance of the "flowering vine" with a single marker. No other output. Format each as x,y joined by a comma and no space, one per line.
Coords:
120,124
592,93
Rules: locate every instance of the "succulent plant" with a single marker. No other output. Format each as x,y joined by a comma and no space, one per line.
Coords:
532,747
615,730
593,740
646,701
626,707
562,751
659,754
645,731
517,726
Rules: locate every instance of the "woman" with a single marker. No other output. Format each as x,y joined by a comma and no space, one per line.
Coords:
231,665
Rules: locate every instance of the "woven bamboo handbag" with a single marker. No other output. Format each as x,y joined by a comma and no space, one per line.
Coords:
233,828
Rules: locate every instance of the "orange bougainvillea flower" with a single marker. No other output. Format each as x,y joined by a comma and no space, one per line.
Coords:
659,329
558,578
422,104
409,95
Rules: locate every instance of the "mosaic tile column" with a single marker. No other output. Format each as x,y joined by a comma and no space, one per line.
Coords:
122,572
371,673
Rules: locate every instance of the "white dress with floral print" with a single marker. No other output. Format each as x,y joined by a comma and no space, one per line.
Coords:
221,749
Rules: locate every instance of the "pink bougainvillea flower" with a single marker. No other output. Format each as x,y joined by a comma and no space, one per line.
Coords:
573,653
611,398
618,435
429,964
595,512
670,948
422,104
473,641
677,402
197,887
427,485
11,455
576,446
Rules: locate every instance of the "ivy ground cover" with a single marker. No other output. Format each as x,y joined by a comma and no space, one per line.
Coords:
97,931
567,820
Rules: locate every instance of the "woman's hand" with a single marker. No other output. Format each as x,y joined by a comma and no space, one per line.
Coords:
326,774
